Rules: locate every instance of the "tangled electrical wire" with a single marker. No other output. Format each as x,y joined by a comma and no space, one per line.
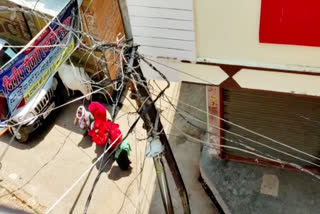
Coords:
106,55
117,55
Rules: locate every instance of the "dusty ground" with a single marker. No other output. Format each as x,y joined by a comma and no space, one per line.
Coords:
58,154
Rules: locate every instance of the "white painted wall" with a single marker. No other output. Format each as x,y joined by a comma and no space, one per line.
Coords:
163,28
177,71
278,82
227,31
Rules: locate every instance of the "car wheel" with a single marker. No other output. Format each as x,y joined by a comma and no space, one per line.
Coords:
21,136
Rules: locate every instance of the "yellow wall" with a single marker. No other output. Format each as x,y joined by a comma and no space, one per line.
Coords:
228,30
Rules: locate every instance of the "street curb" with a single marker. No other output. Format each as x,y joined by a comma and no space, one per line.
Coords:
23,196
206,179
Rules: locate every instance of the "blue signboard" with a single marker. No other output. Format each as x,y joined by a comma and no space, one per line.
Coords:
23,76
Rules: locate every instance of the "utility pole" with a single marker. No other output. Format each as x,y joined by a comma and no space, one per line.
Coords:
152,123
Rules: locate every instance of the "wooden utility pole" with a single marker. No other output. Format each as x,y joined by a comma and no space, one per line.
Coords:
152,123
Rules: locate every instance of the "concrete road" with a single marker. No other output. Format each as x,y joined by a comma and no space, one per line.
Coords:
58,154
10,204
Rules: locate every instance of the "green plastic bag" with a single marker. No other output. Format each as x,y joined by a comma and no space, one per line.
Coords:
122,155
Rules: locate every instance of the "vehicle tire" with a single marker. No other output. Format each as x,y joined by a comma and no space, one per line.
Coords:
23,136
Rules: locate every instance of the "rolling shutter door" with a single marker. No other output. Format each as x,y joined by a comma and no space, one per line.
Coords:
293,120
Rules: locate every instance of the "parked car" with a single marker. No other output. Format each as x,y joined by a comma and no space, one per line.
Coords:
30,116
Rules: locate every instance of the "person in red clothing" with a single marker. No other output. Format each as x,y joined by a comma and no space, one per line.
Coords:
102,129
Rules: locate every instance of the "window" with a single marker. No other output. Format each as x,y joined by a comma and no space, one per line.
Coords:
5,55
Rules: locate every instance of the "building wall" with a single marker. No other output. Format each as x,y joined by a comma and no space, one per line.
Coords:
163,28
101,19
13,27
227,31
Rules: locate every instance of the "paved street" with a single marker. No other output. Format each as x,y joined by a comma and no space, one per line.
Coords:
58,154
12,204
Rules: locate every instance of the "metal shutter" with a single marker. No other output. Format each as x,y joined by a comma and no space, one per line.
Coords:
282,117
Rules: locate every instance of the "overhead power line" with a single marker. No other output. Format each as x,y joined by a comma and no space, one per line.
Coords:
237,125
254,152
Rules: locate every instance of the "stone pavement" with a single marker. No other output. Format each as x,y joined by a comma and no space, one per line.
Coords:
246,188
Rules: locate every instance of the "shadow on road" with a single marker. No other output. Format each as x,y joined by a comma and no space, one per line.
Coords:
108,161
116,173
62,117
35,137
85,142
7,210
108,158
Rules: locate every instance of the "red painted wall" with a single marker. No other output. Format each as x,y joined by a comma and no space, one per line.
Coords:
294,22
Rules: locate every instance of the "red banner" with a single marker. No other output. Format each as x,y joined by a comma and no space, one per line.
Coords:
294,22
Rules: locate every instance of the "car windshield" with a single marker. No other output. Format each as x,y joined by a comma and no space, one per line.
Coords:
5,55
